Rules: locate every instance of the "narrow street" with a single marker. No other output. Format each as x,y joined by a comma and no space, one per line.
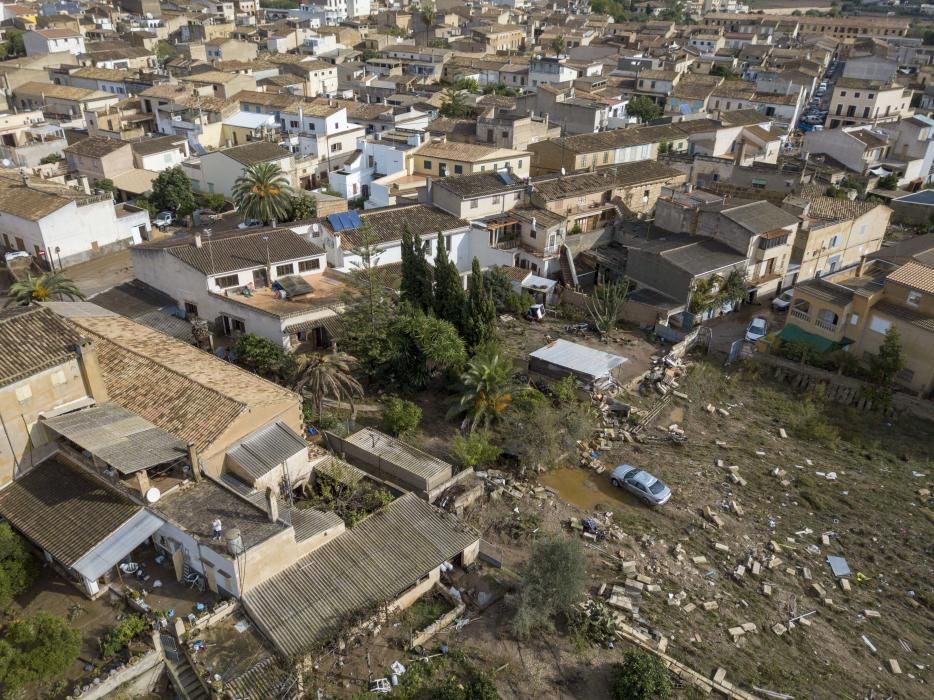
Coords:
102,273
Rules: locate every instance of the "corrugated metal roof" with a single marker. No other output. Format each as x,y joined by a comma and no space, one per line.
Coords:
399,453
267,449
308,523
64,511
579,359
374,561
120,438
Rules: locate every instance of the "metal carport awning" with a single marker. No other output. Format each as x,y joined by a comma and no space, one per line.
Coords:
108,553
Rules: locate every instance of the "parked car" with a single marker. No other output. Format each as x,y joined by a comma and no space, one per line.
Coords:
756,329
250,223
163,219
641,484
782,301
14,254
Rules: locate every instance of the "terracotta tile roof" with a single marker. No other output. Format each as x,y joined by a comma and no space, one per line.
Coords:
59,92
96,146
230,251
914,275
33,339
468,152
256,152
832,209
34,201
58,33
267,99
478,184
624,175
387,225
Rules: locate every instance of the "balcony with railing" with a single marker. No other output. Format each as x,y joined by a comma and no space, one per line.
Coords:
827,325
800,315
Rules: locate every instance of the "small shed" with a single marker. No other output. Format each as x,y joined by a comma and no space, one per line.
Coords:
399,462
542,289
562,357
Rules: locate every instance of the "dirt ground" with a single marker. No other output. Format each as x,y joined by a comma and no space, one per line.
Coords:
839,482
870,511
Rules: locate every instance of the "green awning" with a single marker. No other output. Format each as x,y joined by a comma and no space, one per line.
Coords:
794,334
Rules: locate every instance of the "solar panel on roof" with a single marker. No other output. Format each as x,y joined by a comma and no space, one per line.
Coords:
334,220
505,177
355,219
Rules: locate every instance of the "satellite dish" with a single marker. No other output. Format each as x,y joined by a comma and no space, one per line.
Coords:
6,162
315,228
153,495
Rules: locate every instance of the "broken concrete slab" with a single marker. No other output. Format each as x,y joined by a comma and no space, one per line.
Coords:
845,585
766,590
894,667
723,412
720,547
719,675
872,613
755,569
710,605
782,433
736,632
699,560
690,607
750,626
779,629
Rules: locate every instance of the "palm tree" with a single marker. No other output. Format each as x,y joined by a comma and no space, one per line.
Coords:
42,288
321,375
705,294
485,395
263,192
427,12
453,103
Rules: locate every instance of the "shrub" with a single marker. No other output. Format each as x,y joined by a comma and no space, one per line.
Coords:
51,158
401,416
641,676
553,581
474,450
122,634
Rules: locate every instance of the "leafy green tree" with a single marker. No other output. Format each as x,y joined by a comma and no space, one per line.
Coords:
453,103
420,347
558,45
889,182
263,192
319,375
51,158
643,107
35,649
14,43
165,52
724,72
552,583
45,287
486,392
263,356
884,367
214,201
449,297
104,184
302,206
641,676
401,416
468,84
18,567
171,191
474,449
415,286
480,312
929,38
605,304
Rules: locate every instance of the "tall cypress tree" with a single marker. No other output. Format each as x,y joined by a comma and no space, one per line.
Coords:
480,314
449,289
415,286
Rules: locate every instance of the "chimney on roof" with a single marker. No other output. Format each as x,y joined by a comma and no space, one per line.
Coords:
195,461
91,371
198,239
142,482
272,504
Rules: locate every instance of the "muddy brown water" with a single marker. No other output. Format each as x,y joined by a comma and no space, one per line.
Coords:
585,489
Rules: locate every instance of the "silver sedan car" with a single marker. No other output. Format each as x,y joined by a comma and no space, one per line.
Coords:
641,484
